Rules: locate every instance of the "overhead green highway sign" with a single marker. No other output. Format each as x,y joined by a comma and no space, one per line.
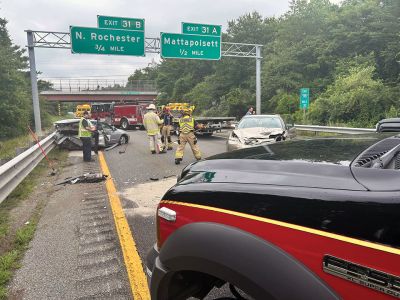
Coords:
107,41
304,98
201,29
120,23
188,46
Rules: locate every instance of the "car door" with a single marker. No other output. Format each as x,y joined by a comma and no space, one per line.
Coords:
108,131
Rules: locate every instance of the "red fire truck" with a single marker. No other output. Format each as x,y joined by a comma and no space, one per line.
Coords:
122,115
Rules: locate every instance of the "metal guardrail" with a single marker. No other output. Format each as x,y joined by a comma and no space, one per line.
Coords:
15,170
344,130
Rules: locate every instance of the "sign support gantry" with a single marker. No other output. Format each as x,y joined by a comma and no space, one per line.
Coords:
62,40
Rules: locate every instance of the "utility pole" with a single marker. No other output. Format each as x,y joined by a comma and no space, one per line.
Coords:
35,93
258,79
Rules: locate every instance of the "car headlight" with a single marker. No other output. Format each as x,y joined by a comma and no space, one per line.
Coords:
233,137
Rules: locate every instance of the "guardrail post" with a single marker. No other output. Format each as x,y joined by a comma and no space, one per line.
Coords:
35,94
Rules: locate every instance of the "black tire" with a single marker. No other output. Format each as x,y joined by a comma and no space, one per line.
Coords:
123,139
124,124
141,127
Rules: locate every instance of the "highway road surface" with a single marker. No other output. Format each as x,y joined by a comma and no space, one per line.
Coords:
139,174
93,238
142,178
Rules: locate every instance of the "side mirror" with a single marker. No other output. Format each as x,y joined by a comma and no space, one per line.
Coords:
113,128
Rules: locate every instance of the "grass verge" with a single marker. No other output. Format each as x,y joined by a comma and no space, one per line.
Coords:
7,147
15,241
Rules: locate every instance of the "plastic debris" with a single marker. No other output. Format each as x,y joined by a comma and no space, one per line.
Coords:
85,178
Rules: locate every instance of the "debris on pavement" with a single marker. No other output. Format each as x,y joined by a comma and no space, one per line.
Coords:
85,178
154,178
111,147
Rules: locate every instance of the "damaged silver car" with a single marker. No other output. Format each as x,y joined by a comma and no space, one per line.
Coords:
254,130
67,134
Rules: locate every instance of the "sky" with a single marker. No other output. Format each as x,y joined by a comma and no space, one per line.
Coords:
159,15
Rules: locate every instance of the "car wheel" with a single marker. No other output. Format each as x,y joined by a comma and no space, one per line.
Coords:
124,124
123,139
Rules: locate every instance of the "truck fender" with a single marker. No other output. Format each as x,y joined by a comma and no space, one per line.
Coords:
256,266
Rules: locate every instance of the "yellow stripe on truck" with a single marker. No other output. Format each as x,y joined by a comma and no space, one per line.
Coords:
335,236
133,264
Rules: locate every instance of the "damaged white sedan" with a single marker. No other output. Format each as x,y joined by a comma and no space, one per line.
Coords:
254,130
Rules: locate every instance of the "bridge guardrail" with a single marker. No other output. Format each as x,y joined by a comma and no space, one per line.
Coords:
15,170
344,130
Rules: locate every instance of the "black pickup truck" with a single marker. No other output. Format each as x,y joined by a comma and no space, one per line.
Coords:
307,219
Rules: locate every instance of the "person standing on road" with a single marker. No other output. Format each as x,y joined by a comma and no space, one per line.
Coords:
251,111
167,117
186,135
152,122
85,134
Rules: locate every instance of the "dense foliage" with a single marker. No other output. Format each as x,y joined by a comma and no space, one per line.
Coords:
347,55
16,111
14,99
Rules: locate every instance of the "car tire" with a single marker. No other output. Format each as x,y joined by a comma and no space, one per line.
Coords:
123,139
124,124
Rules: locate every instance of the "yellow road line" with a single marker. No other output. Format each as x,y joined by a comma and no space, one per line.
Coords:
137,278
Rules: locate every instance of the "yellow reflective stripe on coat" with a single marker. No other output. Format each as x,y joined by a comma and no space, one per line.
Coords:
151,122
186,125
83,132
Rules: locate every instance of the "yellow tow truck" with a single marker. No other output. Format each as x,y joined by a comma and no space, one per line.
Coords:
81,108
206,125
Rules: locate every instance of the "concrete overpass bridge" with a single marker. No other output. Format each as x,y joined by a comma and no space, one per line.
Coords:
95,90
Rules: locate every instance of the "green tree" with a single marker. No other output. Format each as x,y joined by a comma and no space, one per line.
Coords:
313,45
356,99
15,106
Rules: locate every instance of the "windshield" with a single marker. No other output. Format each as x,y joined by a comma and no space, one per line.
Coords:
266,122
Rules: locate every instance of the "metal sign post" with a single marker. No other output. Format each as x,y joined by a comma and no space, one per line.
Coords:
35,93
258,79
62,40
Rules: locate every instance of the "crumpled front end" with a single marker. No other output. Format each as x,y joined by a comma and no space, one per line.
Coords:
251,137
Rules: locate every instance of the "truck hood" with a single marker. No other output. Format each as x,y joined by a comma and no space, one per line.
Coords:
278,173
318,163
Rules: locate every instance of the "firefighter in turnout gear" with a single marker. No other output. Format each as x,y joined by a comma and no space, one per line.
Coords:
152,122
186,135
167,117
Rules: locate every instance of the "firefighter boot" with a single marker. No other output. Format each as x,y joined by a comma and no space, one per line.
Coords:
178,161
169,143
